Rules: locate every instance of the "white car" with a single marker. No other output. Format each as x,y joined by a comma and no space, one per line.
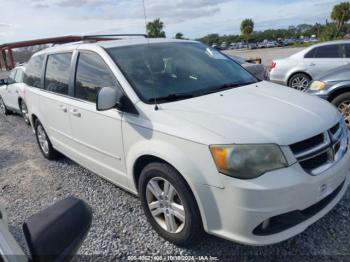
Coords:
12,94
298,70
202,142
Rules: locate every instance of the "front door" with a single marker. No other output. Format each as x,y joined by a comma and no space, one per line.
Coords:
97,135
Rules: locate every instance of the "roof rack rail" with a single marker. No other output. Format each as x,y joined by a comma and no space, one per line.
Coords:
109,36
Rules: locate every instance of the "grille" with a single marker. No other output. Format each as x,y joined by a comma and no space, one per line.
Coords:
320,152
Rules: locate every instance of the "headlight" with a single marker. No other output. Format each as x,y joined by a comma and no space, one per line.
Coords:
317,85
247,161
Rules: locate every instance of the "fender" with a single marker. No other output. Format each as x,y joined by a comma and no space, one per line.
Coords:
340,86
183,161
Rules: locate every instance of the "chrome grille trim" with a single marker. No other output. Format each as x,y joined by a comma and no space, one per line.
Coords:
334,144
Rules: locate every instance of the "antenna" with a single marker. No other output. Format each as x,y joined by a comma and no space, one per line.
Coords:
148,43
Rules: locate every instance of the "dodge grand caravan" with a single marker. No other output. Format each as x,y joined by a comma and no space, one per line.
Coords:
203,143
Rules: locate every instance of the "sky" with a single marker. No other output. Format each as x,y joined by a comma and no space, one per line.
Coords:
31,19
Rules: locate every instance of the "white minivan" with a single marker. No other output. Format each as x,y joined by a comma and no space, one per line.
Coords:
203,143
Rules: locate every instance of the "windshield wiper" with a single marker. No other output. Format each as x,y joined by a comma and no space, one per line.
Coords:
172,97
225,86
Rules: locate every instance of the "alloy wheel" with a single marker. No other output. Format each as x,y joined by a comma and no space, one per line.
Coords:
165,205
300,83
24,112
2,106
344,109
42,138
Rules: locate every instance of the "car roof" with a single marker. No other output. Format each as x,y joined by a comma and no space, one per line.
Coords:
111,44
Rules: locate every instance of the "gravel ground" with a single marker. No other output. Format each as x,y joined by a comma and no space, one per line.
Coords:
29,183
266,54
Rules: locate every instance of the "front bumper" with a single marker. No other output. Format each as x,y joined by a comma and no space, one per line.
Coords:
237,210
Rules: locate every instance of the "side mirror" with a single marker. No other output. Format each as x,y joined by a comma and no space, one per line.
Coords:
107,98
56,233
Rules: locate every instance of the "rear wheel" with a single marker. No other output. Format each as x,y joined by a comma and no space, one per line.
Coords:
299,81
24,111
342,102
169,205
3,108
44,142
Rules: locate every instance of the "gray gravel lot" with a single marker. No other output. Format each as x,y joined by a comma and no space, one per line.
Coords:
29,183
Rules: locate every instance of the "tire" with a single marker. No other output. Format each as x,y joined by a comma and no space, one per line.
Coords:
300,81
24,111
3,108
185,231
44,143
342,102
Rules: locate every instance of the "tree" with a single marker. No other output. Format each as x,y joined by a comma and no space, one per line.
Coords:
247,28
179,36
155,29
340,15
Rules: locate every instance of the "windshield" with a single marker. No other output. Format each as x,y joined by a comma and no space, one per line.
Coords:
174,71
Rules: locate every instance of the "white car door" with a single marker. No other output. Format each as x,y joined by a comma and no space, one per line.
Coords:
324,58
54,100
97,135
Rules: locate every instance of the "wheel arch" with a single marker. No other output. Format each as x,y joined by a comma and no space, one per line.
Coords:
297,72
338,91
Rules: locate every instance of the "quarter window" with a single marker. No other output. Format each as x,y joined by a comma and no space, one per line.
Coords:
12,77
328,51
32,75
57,73
92,74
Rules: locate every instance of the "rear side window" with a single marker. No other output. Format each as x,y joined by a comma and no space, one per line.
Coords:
33,71
347,51
328,51
57,73
19,76
92,74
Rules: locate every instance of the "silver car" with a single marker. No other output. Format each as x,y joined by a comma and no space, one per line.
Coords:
298,70
335,87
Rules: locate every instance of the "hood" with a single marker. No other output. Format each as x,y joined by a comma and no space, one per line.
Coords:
338,74
258,113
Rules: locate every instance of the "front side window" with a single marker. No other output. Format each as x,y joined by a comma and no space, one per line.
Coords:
92,74
174,71
19,76
328,51
57,73
32,75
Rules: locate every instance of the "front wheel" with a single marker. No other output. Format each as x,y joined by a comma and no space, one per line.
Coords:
299,82
24,111
44,142
169,204
342,102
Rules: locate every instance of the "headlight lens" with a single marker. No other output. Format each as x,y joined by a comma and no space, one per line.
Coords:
317,85
247,161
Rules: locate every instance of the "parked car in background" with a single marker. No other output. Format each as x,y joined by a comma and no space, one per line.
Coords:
205,144
12,94
252,46
54,234
335,87
258,70
271,44
298,70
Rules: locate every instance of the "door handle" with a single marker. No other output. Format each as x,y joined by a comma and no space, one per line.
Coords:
76,113
17,91
312,64
63,108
